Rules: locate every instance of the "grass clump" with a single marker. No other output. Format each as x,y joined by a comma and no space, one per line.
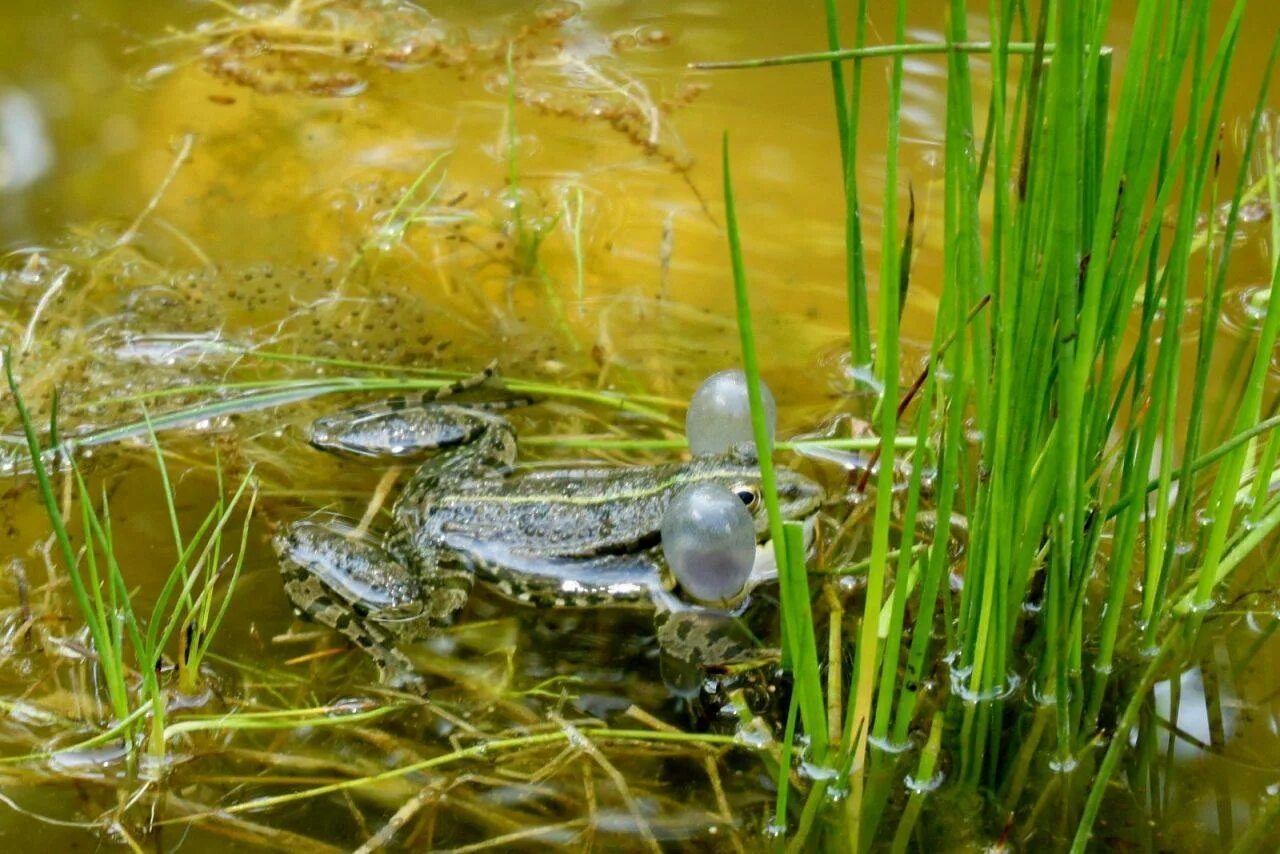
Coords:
128,648
1072,244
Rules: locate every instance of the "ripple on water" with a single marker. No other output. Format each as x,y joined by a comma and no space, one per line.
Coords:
1244,309
1003,690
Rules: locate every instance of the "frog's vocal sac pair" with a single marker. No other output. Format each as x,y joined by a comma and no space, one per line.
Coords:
572,537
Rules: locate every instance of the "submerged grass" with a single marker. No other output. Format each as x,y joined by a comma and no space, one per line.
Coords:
1077,563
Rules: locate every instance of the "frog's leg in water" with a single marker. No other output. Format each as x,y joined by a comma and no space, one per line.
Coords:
353,585
472,442
408,427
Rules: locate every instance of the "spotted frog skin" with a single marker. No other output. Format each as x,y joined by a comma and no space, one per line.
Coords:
572,537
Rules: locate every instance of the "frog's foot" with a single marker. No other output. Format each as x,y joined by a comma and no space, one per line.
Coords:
351,584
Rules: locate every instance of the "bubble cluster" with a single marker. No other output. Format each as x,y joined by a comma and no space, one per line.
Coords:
709,541
720,414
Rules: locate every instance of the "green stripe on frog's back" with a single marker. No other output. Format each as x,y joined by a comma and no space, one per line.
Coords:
625,484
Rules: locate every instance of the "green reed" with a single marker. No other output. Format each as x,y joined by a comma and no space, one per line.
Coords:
190,605
409,210
530,230
104,626
1072,237
799,645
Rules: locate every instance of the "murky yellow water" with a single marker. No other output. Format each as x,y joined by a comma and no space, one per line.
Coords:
185,186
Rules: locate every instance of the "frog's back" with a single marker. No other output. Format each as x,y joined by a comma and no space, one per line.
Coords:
570,513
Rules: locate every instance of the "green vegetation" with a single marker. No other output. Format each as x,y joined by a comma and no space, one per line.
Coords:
191,605
1084,583
974,652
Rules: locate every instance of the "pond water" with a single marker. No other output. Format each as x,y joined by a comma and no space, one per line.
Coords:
193,195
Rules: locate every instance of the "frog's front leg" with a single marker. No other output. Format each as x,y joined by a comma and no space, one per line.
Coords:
473,442
398,431
409,427
353,585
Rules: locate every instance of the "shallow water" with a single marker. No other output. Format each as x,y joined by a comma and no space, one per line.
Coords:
193,199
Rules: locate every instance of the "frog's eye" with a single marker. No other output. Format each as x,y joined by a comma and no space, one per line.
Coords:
748,494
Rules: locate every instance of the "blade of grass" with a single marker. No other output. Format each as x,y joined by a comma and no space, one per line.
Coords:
809,682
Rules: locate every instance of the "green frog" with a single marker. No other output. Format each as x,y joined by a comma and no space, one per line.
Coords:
580,536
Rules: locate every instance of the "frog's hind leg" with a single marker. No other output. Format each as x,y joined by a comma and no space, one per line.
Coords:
354,586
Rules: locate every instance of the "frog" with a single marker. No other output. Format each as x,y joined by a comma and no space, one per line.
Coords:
573,535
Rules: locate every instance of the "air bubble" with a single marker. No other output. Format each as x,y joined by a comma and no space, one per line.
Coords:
1063,765
709,541
720,414
753,734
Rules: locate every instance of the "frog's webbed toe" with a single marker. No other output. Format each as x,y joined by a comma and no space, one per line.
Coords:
351,584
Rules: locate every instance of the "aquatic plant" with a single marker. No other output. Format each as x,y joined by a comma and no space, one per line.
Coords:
1068,509
333,48
1058,339
190,606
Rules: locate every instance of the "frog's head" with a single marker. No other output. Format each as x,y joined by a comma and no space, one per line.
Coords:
798,497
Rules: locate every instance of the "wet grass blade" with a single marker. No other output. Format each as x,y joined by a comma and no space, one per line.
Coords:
848,113
796,616
95,617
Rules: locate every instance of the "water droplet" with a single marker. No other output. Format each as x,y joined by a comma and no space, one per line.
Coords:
1063,764
817,772
960,686
753,734
888,746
